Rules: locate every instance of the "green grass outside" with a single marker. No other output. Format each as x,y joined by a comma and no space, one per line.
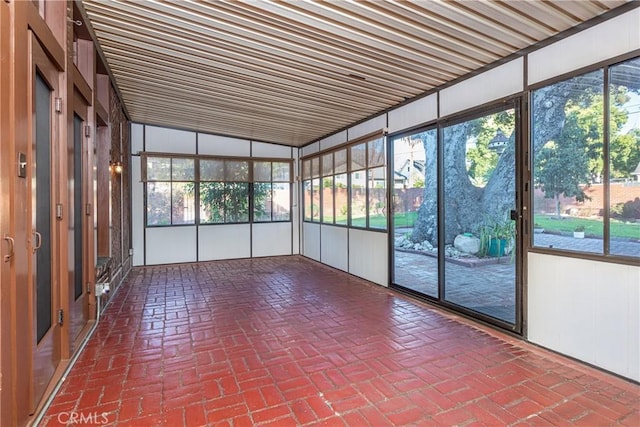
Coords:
592,227
565,225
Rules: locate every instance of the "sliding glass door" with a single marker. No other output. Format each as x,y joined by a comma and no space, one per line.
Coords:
479,196
456,215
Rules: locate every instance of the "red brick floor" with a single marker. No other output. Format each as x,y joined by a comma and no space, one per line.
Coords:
286,341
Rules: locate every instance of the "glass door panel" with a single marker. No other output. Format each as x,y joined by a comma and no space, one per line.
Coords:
415,212
479,196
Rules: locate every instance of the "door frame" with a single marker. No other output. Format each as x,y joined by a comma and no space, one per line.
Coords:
518,103
46,354
78,313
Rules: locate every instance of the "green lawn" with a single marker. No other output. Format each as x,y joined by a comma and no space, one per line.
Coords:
592,227
565,225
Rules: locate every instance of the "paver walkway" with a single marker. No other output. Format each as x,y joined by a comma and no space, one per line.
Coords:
286,341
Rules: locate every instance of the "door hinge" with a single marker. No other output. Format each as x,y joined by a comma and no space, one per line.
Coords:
60,317
87,131
88,209
58,105
58,210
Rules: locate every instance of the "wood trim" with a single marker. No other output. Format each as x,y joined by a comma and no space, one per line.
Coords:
45,36
82,87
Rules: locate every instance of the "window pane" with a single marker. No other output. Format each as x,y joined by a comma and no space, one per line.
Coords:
340,160
315,200
479,193
262,202
281,204
624,158
358,156
211,170
359,199
281,171
307,199
327,200
341,199
236,206
182,169
306,169
159,203
327,164
377,198
236,170
158,169
262,171
567,119
183,203
415,189
315,167
376,152
211,202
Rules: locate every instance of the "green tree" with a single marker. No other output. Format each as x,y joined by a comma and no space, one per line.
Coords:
562,166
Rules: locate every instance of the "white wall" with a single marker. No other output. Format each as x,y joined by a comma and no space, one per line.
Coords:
413,114
333,140
164,140
311,240
496,83
211,145
137,137
369,255
170,245
372,125
334,246
586,309
137,213
270,239
224,242
614,37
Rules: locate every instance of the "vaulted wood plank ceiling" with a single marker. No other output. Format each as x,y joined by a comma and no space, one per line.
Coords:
291,72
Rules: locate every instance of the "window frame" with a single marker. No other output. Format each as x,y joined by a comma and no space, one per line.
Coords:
308,177
605,255
197,181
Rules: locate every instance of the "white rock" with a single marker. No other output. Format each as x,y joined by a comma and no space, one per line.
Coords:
467,244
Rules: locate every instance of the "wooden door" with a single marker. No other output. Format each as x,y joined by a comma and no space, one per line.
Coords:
44,292
78,219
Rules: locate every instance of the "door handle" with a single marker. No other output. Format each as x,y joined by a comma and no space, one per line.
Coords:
11,242
38,237
514,215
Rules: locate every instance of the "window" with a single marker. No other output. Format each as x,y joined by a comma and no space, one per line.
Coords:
271,191
328,206
170,191
347,186
311,184
578,165
209,190
224,191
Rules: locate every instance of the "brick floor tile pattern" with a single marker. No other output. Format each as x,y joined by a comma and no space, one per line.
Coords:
285,341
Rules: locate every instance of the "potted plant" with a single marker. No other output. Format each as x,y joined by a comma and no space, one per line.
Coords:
578,233
496,238
501,238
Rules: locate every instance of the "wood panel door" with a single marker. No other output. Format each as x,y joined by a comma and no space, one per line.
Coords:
44,292
78,219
